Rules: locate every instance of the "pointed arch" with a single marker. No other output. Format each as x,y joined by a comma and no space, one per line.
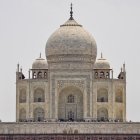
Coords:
22,96
119,115
39,114
70,104
34,75
39,95
22,115
102,95
119,96
39,74
102,114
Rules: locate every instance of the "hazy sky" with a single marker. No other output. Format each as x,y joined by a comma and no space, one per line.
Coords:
25,26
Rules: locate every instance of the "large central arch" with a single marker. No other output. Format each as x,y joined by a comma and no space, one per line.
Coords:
70,104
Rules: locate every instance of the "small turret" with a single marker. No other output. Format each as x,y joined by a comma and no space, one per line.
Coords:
102,68
122,74
19,74
39,68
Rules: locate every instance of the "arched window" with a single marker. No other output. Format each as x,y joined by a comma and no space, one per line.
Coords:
96,75
119,96
39,95
70,99
34,75
102,75
102,114
22,96
45,75
102,95
39,75
22,115
107,74
39,114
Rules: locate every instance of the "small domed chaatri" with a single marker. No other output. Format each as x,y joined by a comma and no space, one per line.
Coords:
101,63
40,63
71,39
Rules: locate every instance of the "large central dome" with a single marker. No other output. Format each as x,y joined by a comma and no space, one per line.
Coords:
71,39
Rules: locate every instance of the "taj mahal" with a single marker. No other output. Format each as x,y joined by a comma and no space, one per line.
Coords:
70,84
71,92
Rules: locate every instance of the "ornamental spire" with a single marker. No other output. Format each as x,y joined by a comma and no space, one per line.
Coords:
71,12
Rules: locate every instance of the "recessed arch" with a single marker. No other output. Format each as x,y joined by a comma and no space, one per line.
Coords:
102,114
96,74
39,74
119,115
22,115
70,104
45,75
22,96
119,96
76,131
39,114
102,74
39,95
107,75
102,95
34,75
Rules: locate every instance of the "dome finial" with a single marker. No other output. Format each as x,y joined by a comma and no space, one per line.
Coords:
71,12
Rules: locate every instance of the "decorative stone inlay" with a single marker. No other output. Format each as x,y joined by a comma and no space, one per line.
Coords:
65,83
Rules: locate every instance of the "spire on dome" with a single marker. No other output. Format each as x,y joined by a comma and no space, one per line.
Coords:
71,12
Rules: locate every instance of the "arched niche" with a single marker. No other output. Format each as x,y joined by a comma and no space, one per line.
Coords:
39,114
102,114
39,95
102,74
119,96
22,96
76,131
119,115
39,74
96,74
22,115
70,104
34,76
45,75
102,95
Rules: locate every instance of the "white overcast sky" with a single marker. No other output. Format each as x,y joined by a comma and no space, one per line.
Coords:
25,26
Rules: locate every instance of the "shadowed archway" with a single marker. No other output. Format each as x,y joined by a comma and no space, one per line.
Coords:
70,104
